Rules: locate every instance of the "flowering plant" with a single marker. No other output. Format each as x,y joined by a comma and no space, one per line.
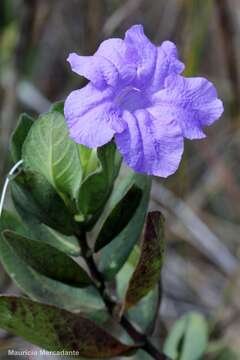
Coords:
137,95
72,246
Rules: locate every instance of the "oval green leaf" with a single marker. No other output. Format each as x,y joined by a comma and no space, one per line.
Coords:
147,272
36,196
55,330
97,187
37,230
49,151
19,135
115,254
10,221
43,258
89,160
119,217
188,338
143,314
30,277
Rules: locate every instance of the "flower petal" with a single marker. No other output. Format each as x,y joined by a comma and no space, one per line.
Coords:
145,53
151,145
97,69
167,63
123,58
90,116
192,102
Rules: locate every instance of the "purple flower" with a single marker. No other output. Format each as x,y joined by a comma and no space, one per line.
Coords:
136,95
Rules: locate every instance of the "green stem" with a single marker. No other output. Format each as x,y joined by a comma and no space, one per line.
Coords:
138,337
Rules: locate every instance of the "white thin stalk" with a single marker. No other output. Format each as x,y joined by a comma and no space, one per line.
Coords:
5,186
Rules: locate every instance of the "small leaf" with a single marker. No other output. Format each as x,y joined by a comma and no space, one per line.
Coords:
58,106
32,193
119,217
10,221
115,254
98,186
49,151
188,338
147,272
89,160
43,258
56,330
19,135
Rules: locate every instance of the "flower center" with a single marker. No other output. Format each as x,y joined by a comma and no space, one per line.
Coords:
132,99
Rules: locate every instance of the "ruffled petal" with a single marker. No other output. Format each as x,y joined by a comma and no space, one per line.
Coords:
121,56
149,144
192,102
144,54
100,71
167,63
91,117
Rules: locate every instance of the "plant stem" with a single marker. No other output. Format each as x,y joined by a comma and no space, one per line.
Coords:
138,337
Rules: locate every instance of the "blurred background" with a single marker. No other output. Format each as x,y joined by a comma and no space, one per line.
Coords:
201,269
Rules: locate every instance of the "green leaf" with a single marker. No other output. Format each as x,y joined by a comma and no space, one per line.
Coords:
19,135
58,106
115,254
147,272
35,196
56,330
88,157
97,187
31,278
36,229
49,151
42,258
89,160
188,338
10,221
143,314
119,217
